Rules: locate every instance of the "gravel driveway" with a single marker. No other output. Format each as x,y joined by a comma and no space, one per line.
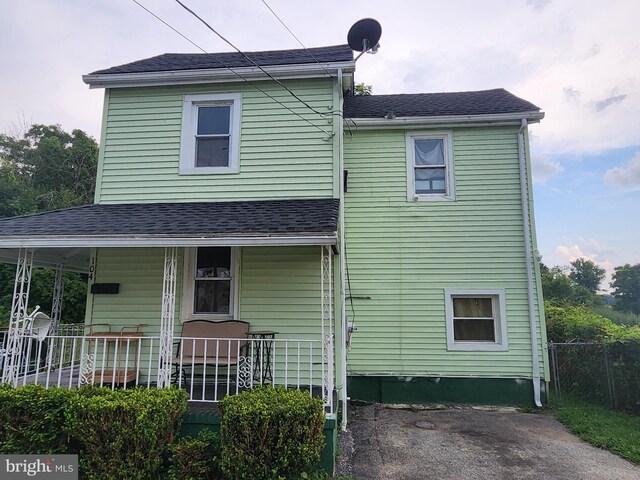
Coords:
468,443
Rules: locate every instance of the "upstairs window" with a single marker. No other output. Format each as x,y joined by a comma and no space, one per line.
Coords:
210,134
429,166
476,320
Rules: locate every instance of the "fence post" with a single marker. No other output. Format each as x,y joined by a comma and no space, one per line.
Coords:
610,380
556,374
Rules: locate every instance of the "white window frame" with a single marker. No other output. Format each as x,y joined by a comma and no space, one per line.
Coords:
188,282
500,321
447,141
189,128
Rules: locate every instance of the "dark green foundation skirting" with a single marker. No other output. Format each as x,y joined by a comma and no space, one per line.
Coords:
486,391
192,423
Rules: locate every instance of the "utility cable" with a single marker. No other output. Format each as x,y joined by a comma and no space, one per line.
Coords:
249,59
297,39
330,134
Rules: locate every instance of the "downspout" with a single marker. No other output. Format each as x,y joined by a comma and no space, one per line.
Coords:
535,358
343,308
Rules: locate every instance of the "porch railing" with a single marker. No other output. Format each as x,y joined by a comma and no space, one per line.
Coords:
207,368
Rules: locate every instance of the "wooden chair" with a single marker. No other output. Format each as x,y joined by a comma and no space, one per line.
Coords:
223,342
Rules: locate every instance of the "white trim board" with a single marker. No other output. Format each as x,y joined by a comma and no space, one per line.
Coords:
160,241
215,75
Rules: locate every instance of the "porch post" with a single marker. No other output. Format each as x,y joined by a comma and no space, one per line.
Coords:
167,318
19,304
56,304
326,290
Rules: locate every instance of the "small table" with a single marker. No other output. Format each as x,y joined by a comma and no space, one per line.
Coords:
262,355
117,375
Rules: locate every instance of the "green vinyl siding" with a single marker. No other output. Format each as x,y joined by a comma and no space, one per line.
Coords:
279,291
281,154
402,255
139,272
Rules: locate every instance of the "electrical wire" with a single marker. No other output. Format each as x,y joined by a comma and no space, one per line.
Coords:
204,22
341,114
297,39
330,134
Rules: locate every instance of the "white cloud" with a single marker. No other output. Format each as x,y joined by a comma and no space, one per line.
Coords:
544,169
627,176
595,246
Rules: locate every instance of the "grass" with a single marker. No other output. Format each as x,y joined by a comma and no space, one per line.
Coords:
617,432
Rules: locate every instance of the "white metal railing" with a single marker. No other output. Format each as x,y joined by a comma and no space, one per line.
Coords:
207,368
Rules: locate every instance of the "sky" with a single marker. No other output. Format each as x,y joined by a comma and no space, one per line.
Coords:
579,60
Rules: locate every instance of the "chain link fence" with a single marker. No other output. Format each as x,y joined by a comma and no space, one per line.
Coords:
604,374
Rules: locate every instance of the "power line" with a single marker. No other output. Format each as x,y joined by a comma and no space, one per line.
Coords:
341,114
243,78
297,39
250,59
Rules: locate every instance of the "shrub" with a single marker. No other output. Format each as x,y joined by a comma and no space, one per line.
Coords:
196,458
122,434
579,324
270,433
31,418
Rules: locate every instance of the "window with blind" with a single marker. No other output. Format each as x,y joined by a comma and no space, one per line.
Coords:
476,320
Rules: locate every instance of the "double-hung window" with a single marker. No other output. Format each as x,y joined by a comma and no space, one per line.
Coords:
430,166
209,283
210,133
476,320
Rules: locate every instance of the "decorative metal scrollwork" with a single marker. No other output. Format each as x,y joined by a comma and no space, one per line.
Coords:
245,372
86,373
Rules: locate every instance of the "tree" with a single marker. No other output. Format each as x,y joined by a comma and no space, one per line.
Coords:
559,290
586,273
626,288
45,168
363,89
556,286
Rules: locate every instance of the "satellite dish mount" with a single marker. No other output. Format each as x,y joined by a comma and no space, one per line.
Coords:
364,36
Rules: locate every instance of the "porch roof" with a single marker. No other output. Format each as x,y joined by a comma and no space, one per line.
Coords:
238,223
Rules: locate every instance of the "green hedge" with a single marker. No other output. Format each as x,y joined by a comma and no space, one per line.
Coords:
270,433
31,418
196,458
118,434
579,324
122,434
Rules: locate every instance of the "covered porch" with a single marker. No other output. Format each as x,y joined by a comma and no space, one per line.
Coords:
166,308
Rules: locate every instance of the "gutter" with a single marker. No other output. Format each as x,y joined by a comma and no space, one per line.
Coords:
535,358
213,75
343,306
162,241
533,116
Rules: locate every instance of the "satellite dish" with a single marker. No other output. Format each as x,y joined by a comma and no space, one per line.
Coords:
364,35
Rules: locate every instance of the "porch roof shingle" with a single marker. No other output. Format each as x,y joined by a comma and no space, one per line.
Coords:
268,218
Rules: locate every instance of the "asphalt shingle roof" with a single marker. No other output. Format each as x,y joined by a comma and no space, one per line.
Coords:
199,61
214,219
436,104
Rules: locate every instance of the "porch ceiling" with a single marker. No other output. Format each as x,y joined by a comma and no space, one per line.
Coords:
73,259
270,222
